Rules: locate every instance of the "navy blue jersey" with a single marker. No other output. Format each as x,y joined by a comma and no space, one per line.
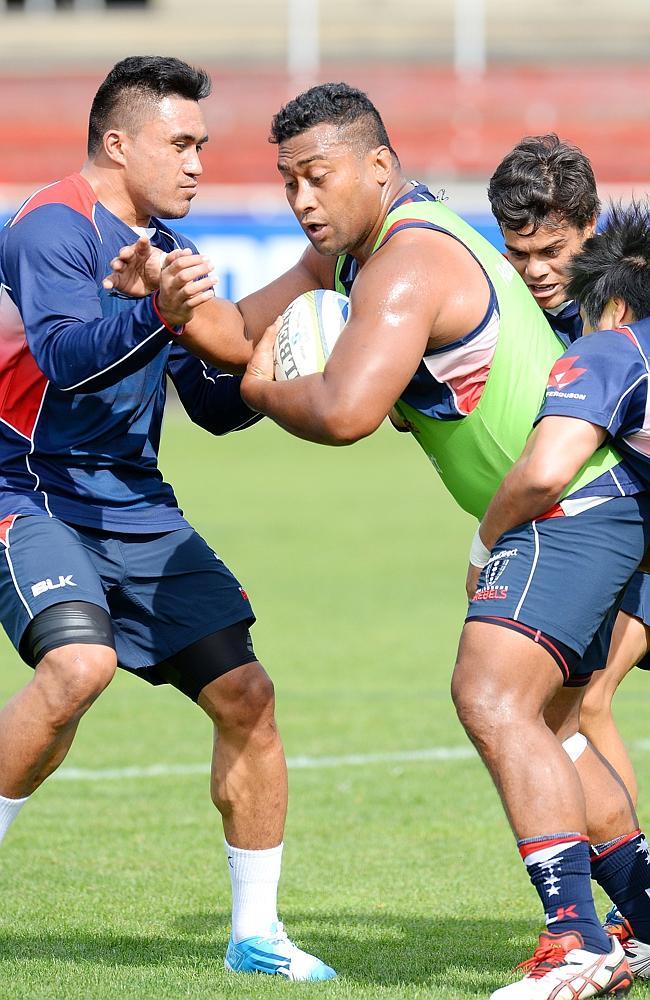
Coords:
567,323
83,371
603,378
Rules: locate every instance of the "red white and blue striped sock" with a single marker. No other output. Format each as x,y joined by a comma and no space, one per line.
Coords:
559,868
622,868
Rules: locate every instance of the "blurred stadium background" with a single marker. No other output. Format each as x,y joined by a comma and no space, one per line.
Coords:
457,81
400,866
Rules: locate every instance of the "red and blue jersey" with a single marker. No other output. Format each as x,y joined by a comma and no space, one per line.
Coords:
83,371
603,378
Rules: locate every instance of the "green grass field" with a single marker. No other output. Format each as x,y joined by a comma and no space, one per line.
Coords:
400,872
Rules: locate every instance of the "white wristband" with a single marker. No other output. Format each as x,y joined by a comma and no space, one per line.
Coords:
479,555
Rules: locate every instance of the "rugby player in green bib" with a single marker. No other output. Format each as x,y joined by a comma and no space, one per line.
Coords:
444,332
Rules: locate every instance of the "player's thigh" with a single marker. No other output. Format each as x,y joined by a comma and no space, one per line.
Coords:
44,565
180,615
633,635
501,675
221,673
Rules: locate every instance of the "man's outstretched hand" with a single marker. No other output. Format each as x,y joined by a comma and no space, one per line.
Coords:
186,281
136,269
183,279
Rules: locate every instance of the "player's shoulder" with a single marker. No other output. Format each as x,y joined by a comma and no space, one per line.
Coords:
424,262
72,194
56,219
637,335
609,354
608,342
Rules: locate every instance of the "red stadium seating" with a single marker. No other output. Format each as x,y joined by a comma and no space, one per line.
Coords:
442,126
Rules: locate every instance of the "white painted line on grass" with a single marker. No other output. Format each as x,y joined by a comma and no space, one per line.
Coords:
297,763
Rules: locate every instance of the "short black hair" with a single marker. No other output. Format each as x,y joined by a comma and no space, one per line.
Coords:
331,103
543,181
140,79
614,263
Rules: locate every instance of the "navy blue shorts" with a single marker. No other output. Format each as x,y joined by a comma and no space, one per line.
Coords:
636,602
163,592
564,577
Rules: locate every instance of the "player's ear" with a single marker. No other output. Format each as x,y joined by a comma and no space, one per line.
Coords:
383,163
620,311
113,142
590,228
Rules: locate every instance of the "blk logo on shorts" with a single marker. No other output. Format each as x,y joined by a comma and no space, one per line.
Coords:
44,585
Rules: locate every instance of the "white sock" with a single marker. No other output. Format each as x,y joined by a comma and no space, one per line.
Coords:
9,809
254,877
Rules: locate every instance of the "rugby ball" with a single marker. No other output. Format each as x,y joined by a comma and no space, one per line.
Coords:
311,325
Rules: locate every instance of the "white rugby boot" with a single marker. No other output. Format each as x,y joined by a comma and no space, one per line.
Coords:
637,952
561,969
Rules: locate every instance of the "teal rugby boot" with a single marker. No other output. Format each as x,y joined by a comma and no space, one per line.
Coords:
275,955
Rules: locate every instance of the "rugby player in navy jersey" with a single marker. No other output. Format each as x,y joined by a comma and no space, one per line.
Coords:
98,566
598,390
543,195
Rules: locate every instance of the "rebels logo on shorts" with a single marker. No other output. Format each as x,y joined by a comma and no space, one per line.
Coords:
491,594
496,565
494,568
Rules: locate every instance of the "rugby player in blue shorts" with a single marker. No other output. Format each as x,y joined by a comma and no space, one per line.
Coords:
543,195
545,579
98,566
430,302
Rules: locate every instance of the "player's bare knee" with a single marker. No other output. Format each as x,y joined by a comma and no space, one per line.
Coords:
70,678
483,710
242,699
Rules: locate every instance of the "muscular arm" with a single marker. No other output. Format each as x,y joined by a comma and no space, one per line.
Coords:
421,289
220,332
219,323
554,454
261,308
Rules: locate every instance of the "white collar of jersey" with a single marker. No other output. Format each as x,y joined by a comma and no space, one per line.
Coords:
558,309
141,231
